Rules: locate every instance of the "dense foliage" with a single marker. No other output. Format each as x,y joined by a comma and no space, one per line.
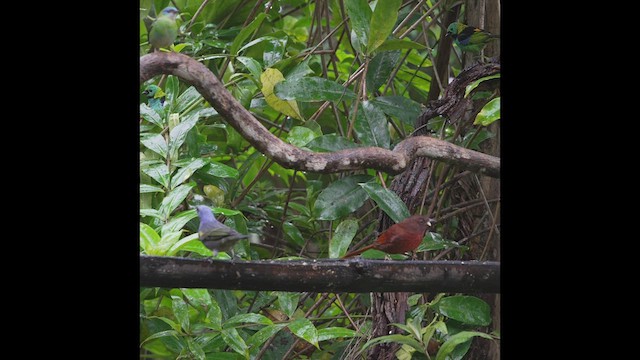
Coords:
320,82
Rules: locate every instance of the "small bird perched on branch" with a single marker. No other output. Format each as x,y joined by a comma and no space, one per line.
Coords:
399,238
155,97
215,235
164,30
469,38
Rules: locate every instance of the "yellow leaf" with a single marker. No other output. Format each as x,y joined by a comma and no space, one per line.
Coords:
269,78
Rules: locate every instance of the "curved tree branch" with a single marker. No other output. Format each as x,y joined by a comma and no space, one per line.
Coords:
391,161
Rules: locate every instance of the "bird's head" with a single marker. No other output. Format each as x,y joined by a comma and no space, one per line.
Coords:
151,91
204,213
452,29
169,11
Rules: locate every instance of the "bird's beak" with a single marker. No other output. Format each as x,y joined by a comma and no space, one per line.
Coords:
431,221
447,34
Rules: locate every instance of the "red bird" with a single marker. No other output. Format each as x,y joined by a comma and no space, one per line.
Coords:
399,238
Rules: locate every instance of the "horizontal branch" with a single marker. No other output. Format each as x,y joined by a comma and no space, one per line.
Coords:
326,275
391,161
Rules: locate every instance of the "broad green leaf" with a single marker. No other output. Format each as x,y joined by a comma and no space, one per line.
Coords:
388,201
300,136
158,172
313,89
299,71
371,126
288,301
187,99
269,78
197,297
466,309
166,242
151,212
225,212
184,173
341,198
252,65
160,334
434,241
182,244
150,115
274,51
342,237
250,318
144,188
335,332
331,142
180,311
256,41
380,67
196,247
383,20
454,340
402,339
174,198
401,107
245,33
472,140
396,44
489,113
157,144
475,84
360,15
220,170
304,329
172,89
148,236
232,338
178,134
293,233
178,221
264,334
214,315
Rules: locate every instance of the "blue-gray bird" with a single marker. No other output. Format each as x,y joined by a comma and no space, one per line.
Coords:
214,234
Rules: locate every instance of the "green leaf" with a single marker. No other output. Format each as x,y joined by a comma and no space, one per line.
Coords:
383,20
313,89
303,328
380,67
166,242
180,311
454,340
466,309
214,315
489,113
245,33
475,84
388,201
172,90
335,332
341,198
342,237
401,107
151,212
174,198
187,99
184,173
198,297
293,233
434,241
288,301
182,244
251,318
300,136
274,51
160,334
150,115
158,172
156,143
331,142
396,44
148,236
220,170
232,338
144,188
402,339
264,334
178,134
299,71
360,14
252,65
371,126
178,221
